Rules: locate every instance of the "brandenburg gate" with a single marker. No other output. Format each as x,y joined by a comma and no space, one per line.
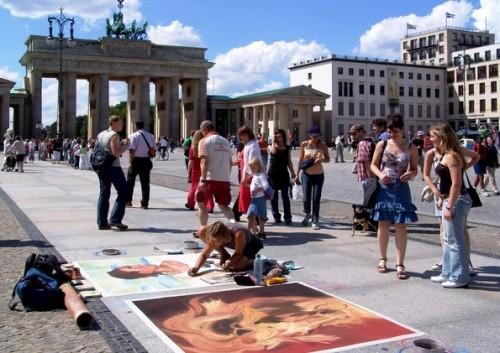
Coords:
179,74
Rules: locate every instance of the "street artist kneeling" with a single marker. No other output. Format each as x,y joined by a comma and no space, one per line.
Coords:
217,236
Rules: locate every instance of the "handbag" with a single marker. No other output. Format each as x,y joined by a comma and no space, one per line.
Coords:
471,190
306,164
370,194
151,150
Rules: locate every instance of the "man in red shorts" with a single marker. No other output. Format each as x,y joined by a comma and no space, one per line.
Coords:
214,152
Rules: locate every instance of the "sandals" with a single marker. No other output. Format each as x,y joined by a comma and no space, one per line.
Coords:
382,267
401,272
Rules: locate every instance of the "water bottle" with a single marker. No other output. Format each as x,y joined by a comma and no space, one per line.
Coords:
257,269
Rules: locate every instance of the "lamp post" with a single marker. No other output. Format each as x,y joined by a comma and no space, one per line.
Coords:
61,20
464,67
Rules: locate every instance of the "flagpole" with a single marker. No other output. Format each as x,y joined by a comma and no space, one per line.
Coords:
446,20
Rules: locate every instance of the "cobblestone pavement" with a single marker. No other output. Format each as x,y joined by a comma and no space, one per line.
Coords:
53,331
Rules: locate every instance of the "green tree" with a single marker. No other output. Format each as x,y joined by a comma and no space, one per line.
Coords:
82,126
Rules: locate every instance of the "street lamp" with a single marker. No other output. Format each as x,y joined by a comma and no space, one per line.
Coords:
61,21
464,67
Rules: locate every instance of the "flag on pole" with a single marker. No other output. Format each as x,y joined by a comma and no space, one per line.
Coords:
450,15
410,26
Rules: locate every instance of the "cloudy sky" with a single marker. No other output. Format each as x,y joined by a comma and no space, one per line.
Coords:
251,42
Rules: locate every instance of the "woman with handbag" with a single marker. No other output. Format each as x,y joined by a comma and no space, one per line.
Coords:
313,153
456,204
279,164
394,166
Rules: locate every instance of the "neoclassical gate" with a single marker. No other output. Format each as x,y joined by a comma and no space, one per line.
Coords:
137,62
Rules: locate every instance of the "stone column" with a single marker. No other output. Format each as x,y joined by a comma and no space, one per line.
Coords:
98,109
4,113
276,117
303,116
174,107
284,118
255,119
246,116
145,114
265,121
35,89
69,105
162,123
202,99
190,105
322,122
133,103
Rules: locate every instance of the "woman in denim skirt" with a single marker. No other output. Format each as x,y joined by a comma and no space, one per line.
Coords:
394,163
456,204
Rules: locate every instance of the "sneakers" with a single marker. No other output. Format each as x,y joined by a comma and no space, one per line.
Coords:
454,284
484,193
315,226
439,279
437,267
119,226
306,220
128,204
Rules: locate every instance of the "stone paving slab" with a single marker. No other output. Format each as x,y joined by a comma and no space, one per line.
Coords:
334,261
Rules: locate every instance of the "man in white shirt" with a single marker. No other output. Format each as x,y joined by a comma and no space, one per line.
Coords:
215,163
141,150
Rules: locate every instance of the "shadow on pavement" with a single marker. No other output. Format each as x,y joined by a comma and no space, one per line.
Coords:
295,238
14,243
163,230
487,279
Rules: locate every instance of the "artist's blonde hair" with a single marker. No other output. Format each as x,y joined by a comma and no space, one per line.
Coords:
256,165
217,232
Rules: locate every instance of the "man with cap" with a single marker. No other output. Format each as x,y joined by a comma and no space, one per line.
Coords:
419,142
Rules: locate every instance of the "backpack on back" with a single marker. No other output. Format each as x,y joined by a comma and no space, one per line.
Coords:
100,159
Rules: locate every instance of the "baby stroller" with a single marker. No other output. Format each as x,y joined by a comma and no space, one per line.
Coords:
9,163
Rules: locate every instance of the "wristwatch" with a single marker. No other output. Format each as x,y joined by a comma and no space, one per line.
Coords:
452,209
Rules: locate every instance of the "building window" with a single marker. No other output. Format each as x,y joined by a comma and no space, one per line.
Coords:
493,86
411,112
405,57
461,90
441,49
372,109
361,109
471,89
451,108
340,89
309,76
487,55
429,111
482,105
451,91
481,72
410,91
402,110
460,107
428,92
493,104
401,75
372,72
493,70
382,109
477,58
438,111
295,113
372,90
340,70
450,76
419,76
401,91
351,71
436,92
471,106
351,108
410,75
428,77
382,73
419,91
436,77
482,88
441,37
361,88
361,72
382,90
419,111
498,53
351,89
341,108
405,44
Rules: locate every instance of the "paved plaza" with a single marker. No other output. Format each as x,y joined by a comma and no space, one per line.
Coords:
54,206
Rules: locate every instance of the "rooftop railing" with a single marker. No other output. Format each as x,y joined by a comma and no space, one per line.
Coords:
475,30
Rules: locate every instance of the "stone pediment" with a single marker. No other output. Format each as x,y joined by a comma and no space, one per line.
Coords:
302,91
5,82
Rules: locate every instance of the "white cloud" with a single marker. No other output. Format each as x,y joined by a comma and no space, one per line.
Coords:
259,65
49,100
382,39
10,75
490,10
175,34
89,11
117,92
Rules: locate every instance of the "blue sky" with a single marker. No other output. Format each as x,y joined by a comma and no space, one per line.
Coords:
251,42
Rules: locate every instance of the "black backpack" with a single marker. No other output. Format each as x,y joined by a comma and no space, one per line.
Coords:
100,159
38,288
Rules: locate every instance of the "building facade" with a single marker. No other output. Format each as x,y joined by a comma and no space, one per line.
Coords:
472,94
435,46
363,89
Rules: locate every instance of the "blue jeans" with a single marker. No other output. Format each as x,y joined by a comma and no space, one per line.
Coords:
455,256
285,190
115,176
312,184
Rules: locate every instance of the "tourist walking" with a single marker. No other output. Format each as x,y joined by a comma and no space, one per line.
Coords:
364,153
194,172
456,204
394,163
491,164
141,150
19,149
480,166
75,150
250,151
257,211
214,152
112,175
339,149
186,147
236,162
379,128
313,153
280,163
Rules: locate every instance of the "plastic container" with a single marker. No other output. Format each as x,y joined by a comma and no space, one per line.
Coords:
257,270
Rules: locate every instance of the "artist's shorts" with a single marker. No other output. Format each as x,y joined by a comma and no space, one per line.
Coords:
219,190
253,246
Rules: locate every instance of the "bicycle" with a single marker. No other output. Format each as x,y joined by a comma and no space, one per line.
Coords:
163,154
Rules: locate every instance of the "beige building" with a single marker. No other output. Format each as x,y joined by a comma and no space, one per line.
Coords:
5,87
434,47
289,108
